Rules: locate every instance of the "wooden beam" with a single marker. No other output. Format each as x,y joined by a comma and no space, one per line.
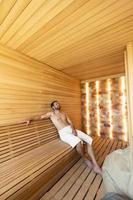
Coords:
103,78
129,82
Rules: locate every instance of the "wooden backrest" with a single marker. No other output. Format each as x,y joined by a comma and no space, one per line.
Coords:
17,139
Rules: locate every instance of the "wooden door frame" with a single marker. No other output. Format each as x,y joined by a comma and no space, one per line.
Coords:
128,55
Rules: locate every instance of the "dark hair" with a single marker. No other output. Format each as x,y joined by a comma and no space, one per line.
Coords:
52,104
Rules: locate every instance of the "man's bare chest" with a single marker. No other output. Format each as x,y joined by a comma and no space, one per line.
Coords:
59,117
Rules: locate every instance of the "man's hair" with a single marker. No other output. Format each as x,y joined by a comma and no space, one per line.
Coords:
52,104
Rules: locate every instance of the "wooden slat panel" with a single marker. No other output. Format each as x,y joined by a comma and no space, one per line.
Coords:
27,87
129,78
95,45
99,67
64,187
29,166
5,8
14,13
86,25
48,22
46,178
80,182
64,35
18,139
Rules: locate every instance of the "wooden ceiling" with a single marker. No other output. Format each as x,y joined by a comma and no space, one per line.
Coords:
83,38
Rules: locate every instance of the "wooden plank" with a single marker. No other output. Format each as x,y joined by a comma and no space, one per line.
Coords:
93,190
88,181
61,32
129,83
33,166
76,187
23,96
66,178
5,9
70,183
72,31
83,29
47,178
14,13
17,139
100,192
87,184
71,192
43,27
62,181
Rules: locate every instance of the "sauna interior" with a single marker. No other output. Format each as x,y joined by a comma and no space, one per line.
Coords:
80,53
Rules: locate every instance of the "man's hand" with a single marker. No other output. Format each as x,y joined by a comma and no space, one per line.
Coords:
72,126
28,122
74,132
44,116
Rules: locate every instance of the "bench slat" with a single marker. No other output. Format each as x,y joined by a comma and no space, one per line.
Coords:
17,139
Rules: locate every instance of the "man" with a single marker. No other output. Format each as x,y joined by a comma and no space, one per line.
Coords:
70,135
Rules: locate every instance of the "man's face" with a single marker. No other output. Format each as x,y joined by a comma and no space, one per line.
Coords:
56,106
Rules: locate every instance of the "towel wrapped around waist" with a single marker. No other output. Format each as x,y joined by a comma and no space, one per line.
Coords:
67,136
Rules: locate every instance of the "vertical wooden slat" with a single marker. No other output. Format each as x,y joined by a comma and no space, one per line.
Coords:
129,80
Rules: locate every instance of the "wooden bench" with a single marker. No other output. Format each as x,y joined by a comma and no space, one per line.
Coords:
32,159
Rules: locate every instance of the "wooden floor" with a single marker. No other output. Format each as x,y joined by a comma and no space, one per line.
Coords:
81,183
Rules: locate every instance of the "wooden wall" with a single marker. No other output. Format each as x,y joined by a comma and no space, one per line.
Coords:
129,76
27,87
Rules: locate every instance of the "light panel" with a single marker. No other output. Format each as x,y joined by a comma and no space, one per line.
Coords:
123,103
98,110
87,109
110,107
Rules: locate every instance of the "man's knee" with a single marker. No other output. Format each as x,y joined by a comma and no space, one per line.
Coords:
79,147
79,144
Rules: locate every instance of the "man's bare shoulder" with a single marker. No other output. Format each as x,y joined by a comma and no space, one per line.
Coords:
65,113
49,113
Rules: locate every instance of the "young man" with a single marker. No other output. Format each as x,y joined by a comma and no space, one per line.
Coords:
70,135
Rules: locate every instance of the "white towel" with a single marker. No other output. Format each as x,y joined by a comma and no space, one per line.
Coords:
68,137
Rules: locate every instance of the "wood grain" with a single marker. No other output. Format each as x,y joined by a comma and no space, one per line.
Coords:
64,35
80,182
27,87
31,157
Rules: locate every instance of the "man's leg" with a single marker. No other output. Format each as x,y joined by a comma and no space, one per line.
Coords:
96,168
87,139
80,150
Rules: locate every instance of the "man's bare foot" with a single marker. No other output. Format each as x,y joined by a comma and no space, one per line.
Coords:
89,164
97,170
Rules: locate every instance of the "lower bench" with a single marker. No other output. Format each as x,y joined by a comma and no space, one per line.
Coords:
30,174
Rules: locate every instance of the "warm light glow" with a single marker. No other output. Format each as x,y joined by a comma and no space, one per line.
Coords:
98,110
110,107
87,109
124,107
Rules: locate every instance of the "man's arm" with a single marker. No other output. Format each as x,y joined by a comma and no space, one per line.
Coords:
44,116
72,125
